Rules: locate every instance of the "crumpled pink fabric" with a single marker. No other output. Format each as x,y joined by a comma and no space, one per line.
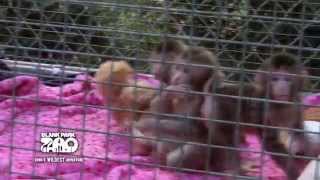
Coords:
28,107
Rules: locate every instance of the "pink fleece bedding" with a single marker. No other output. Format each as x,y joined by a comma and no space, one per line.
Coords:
38,107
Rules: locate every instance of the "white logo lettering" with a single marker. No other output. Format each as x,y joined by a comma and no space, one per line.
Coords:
58,143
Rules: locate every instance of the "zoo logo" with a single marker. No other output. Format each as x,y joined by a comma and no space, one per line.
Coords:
58,143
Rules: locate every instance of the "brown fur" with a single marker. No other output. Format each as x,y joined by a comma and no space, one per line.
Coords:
167,51
172,128
184,78
214,108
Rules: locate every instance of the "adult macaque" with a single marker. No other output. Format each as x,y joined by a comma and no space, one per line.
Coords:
281,82
164,54
116,82
217,108
212,133
185,78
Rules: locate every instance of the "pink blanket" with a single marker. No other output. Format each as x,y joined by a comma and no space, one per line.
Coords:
37,107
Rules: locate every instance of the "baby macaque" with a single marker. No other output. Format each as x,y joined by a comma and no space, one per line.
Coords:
280,81
117,85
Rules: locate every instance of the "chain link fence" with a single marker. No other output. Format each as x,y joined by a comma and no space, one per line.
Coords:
56,40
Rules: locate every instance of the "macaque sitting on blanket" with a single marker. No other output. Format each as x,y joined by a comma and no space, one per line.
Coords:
122,91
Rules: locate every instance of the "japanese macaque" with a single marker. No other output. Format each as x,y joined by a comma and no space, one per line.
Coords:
185,79
120,90
217,108
164,54
281,82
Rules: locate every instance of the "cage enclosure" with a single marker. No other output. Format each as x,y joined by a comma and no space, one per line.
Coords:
54,121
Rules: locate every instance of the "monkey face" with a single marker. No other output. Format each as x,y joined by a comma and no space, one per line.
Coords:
281,85
180,75
194,76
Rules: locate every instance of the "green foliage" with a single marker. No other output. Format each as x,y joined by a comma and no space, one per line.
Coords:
82,33
75,28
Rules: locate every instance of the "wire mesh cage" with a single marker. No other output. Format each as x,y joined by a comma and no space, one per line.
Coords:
54,122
